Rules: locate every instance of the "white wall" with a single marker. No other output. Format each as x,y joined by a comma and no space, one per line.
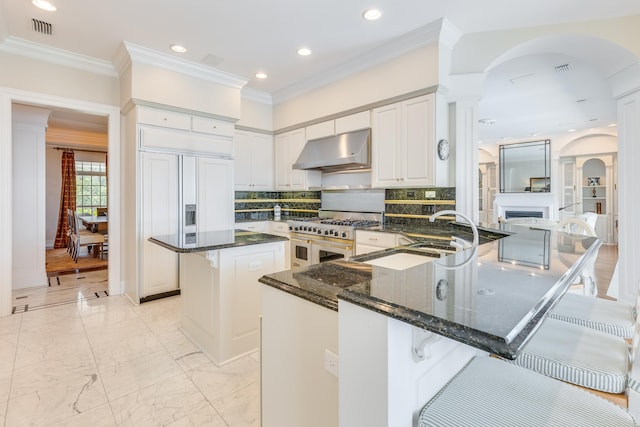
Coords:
413,71
23,73
256,114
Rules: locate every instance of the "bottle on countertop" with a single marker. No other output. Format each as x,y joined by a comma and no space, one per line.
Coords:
276,212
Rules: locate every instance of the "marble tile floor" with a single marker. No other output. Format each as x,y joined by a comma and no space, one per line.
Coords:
64,289
106,362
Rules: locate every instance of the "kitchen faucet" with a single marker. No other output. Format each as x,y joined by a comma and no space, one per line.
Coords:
459,243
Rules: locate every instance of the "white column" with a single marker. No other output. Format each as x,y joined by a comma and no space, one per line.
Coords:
5,209
28,176
464,123
628,200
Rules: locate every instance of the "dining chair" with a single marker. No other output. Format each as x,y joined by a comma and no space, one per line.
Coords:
83,238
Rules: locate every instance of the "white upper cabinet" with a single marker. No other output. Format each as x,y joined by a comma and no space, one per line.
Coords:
340,125
353,122
254,161
321,130
288,147
404,144
184,133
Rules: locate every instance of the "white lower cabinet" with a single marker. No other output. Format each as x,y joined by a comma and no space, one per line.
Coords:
372,241
221,297
297,335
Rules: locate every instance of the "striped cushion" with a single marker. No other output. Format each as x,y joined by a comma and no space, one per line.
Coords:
490,392
613,317
577,355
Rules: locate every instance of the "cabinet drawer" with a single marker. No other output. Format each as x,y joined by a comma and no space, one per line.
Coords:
278,227
377,239
163,118
212,126
257,226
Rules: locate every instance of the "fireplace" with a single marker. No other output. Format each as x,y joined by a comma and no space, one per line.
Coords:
521,205
522,214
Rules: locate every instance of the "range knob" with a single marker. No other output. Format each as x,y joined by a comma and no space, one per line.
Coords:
319,231
326,232
344,234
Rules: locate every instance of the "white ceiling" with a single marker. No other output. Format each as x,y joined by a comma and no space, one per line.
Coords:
242,37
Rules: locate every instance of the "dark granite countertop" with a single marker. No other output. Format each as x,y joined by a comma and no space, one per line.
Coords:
443,233
494,303
212,240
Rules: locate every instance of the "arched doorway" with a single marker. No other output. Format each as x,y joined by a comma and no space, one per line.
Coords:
620,71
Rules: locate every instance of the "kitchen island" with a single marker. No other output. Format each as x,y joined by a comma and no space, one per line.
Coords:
404,332
220,293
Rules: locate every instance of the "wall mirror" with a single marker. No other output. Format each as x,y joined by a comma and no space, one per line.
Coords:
525,167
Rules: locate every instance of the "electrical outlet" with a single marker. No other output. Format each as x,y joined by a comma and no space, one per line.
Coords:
331,362
430,194
428,209
411,194
255,265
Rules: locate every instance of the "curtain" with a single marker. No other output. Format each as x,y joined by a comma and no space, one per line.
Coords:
67,197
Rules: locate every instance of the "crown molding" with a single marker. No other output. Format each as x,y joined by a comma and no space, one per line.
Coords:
399,46
57,56
144,55
256,96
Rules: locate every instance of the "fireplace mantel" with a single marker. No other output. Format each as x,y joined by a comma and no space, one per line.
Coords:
531,202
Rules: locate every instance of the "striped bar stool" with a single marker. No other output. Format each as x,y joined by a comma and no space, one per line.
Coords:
613,317
490,392
577,355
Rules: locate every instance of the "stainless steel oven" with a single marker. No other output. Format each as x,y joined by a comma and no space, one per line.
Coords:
306,251
326,238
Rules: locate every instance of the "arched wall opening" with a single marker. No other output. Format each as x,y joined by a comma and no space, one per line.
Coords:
620,70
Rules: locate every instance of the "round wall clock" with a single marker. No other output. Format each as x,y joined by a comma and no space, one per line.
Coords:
443,149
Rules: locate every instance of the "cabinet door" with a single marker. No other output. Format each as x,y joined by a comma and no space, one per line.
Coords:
242,159
419,145
353,122
387,135
296,144
568,202
288,147
320,130
261,161
159,217
282,175
215,194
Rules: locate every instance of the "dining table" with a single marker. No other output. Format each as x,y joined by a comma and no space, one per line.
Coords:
96,224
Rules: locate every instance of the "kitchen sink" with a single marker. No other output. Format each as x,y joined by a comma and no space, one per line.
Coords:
400,258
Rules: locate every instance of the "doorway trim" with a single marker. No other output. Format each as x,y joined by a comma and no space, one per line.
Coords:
7,97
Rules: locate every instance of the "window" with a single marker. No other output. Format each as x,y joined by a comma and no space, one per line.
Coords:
91,187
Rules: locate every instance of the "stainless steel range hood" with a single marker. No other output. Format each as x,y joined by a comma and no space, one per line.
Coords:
346,151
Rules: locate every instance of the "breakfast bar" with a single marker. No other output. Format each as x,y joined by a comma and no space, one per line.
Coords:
406,328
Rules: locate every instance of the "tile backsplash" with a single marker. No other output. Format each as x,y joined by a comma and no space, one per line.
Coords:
414,206
258,205
402,206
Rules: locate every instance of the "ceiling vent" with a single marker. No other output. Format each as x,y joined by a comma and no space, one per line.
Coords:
563,68
41,27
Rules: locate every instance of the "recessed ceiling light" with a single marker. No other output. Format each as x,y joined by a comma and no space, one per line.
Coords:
178,48
487,121
371,14
303,51
261,75
44,5
571,130
612,125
